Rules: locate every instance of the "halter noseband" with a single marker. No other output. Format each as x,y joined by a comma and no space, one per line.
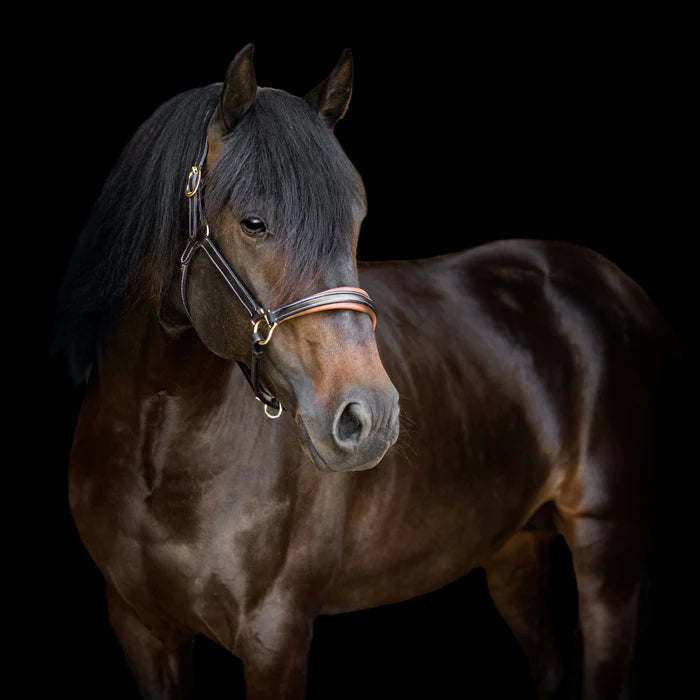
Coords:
264,321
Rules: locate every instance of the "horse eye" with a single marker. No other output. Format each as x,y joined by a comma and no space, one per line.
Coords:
253,226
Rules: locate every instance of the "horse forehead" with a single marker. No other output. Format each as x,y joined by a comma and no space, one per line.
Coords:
283,145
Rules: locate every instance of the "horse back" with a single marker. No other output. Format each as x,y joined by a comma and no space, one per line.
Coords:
512,280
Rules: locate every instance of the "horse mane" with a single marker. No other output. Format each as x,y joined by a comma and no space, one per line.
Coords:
281,160
132,233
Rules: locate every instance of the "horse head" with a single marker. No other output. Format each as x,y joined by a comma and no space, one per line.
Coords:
277,206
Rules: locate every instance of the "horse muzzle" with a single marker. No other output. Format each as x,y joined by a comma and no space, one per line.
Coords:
356,435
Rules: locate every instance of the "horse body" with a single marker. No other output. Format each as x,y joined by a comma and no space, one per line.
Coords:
525,371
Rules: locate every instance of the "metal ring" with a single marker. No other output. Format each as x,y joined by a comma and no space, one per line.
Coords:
191,190
269,415
269,333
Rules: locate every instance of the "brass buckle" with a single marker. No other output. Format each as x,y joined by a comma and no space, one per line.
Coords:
194,177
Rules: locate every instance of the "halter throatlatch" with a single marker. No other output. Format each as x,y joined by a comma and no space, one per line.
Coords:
264,321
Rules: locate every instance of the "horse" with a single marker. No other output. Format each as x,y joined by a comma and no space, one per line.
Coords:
272,431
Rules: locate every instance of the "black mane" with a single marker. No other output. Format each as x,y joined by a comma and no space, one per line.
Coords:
281,160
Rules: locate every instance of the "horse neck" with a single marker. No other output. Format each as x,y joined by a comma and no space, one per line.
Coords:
142,357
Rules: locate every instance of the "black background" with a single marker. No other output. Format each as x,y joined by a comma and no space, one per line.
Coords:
465,130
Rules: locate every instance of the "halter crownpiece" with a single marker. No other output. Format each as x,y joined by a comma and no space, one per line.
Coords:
264,321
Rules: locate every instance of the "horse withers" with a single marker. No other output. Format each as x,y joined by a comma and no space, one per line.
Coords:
225,240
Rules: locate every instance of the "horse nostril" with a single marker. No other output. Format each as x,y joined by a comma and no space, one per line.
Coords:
351,425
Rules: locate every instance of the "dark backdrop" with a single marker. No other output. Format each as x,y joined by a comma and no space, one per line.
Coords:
464,132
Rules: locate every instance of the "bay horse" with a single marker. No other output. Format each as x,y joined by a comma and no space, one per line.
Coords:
218,268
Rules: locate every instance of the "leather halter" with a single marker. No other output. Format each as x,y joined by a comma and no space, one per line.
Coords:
264,321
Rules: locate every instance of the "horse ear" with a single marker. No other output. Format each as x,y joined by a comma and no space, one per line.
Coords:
332,97
239,90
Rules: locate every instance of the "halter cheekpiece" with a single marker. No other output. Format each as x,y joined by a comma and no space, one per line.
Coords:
264,321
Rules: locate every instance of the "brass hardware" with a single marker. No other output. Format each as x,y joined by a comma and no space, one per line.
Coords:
270,331
270,415
194,177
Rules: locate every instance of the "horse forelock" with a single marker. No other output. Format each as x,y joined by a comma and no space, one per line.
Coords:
283,163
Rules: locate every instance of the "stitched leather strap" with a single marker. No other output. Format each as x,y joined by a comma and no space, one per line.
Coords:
352,298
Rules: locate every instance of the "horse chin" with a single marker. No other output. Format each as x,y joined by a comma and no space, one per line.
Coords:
345,464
